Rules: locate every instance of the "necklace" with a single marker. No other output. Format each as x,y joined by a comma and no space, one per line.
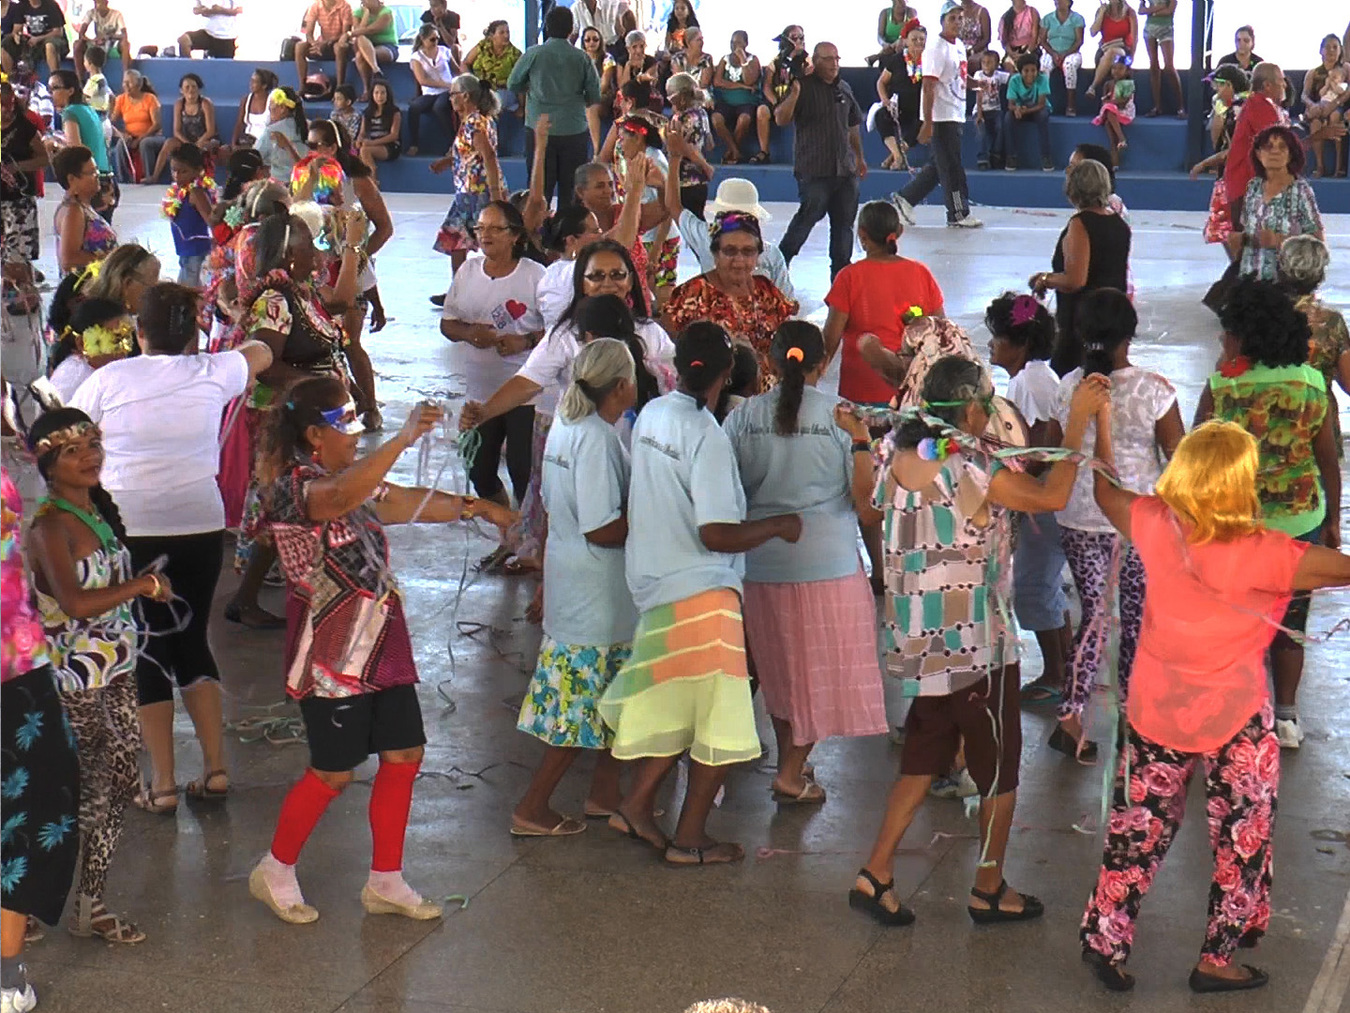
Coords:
107,538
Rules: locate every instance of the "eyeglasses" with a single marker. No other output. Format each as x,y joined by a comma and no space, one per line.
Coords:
493,228
733,252
596,277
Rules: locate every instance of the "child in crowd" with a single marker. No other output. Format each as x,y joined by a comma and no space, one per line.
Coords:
187,204
100,332
989,81
1324,115
345,113
689,116
1117,111
97,94
286,125
1028,102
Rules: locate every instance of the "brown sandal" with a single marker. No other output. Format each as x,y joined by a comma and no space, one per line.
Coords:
201,791
147,799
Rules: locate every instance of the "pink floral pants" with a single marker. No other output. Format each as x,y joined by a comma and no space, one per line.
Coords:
1241,782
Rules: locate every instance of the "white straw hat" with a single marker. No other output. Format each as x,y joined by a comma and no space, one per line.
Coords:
737,194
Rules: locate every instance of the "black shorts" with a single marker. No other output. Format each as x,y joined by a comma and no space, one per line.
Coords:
31,54
321,50
989,722
732,113
343,732
221,49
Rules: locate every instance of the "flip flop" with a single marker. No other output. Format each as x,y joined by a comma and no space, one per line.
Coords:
631,832
1038,693
494,560
811,794
567,827
605,814
711,855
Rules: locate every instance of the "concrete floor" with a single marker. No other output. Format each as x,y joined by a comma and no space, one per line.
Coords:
596,923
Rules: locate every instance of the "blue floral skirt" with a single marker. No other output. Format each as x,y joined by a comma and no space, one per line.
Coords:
456,231
561,707
40,788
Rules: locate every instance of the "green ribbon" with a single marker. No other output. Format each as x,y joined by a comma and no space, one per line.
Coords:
106,536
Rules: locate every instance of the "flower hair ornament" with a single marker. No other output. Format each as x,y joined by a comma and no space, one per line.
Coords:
58,438
795,353
1024,310
99,340
280,97
912,313
936,448
234,216
732,221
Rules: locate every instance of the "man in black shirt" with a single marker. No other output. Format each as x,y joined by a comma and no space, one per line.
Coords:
447,25
34,30
827,156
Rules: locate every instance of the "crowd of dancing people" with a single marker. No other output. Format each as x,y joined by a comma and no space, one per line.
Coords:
689,498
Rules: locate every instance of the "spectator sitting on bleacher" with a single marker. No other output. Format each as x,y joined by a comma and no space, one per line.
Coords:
447,26
613,19
777,80
332,19
109,33
34,30
1062,32
493,59
381,127
638,67
692,59
374,40
96,90
434,69
136,119
736,80
252,120
346,113
216,38
1245,54
279,143
194,122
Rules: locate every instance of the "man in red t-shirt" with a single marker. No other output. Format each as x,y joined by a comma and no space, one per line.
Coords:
1261,110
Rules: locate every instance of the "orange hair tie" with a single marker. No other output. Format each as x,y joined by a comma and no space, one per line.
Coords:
796,353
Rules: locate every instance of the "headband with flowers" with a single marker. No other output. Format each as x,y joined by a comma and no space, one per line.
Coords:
58,438
280,97
99,340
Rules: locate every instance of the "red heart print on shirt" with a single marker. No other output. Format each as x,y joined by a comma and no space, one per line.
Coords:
516,309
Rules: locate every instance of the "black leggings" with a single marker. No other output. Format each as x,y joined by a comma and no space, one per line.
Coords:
182,658
516,430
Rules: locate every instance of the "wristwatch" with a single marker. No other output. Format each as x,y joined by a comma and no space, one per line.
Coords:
862,447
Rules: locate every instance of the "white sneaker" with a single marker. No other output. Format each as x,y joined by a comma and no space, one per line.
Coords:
968,222
905,209
18,1000
1289,733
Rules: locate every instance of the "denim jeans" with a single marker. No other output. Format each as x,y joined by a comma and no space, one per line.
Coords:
944,167
438,106
190,271
990,129
818,196
1011,124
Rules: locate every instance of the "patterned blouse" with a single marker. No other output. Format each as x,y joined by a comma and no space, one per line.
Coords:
752,319
1293,212
98,238
1330,337
945,547
313,338
91,653
470,171
1284,409
693,124
493,68
345,632
22,644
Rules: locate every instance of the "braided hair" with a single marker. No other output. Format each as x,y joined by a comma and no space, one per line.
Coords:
59,418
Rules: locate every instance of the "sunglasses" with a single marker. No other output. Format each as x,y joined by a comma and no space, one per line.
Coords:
344,420
596,277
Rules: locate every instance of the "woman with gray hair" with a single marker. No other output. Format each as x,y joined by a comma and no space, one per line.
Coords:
1302,269
589,615
1093,252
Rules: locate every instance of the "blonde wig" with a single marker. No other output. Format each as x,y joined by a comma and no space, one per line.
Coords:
1211,483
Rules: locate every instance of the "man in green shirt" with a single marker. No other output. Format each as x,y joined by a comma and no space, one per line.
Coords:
559,81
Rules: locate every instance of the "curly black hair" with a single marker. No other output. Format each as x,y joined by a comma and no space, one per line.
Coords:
1268,329
1037,335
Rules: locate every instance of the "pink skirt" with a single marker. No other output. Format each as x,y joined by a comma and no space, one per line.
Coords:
814,647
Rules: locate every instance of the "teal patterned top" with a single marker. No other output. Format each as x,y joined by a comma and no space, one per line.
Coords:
948,566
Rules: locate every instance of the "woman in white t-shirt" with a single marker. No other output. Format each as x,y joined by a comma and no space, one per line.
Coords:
565,233
491,314
433,67
588,614
101,331
160,414
602,268
1022,334
1146,427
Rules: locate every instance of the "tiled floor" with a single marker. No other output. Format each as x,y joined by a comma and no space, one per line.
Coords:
596,924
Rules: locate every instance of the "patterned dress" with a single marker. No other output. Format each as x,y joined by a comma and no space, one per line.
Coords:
948,564
752,319
471,186
1292,212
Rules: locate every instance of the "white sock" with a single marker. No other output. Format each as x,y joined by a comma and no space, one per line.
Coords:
391,886
281,880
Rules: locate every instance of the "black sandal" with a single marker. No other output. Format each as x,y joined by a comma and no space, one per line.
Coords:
870,904
995,915
1113,976
1205,983
1065,743
758,158
630,831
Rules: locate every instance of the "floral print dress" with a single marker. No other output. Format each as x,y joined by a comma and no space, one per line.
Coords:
752,319
471,186
1292,212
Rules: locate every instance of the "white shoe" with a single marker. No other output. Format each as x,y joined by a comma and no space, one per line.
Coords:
968,222
905,209
374,904
1289,733
18,1000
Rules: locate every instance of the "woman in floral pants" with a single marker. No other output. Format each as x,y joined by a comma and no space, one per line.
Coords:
1216,579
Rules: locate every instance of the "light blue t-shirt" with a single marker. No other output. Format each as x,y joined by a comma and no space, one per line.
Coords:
584,483
694,232
1020,95
810,474
684,476
1061,35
